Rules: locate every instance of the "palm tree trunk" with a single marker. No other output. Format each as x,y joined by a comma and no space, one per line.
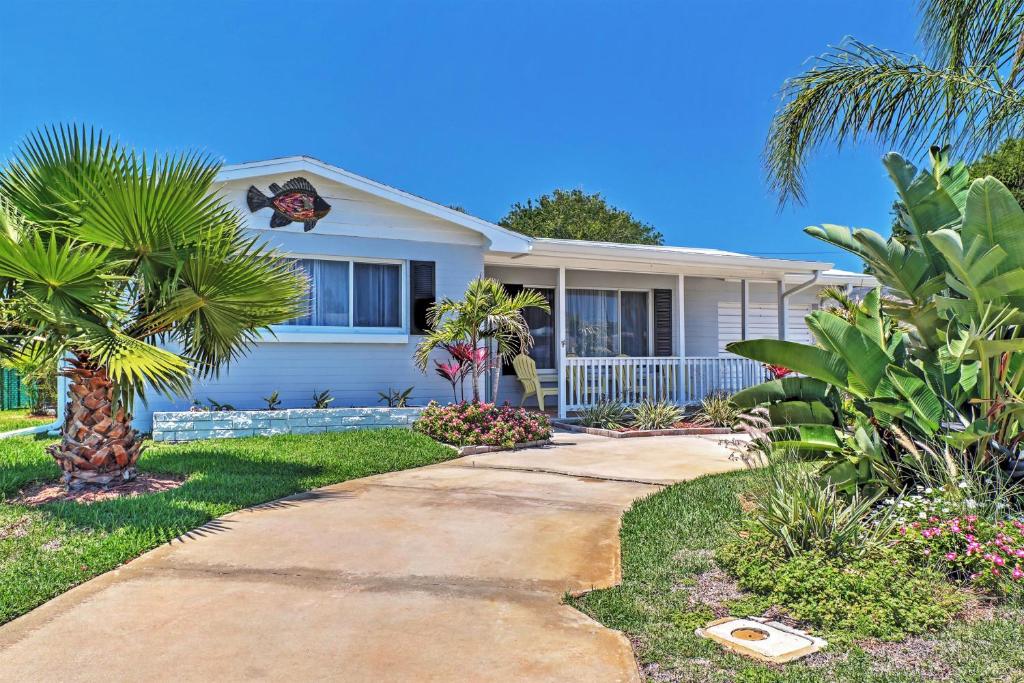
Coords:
98,444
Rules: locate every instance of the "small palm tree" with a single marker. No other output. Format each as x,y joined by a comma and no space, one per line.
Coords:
966,90
135,275
485,314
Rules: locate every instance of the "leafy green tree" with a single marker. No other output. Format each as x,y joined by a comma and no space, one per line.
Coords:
134,275
575,215
1007,164
966,89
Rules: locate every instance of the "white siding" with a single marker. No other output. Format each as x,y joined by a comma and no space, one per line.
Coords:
353,213
762,323
358,226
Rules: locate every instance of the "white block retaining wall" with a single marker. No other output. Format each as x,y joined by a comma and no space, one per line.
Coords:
189,426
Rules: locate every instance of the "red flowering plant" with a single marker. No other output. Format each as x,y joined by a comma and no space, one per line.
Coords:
472,423
969,548
777,371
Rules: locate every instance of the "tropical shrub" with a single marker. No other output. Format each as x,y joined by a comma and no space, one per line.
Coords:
937,360
882,594
486,314
133,274
322,399
482,424
802,513
717,410
273,401
604,415
394,398
655,415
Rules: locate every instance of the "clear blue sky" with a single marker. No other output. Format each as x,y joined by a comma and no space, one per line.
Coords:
660,106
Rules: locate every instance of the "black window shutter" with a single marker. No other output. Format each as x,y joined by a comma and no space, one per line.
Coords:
506,365
422,293
663,322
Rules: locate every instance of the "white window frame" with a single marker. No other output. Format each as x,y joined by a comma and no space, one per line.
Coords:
618,302
350,333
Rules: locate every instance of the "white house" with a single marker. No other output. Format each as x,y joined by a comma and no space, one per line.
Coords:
381,256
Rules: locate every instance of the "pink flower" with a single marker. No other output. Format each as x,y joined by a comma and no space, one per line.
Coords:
950,556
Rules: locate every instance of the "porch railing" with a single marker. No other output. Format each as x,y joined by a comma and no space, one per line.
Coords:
634,379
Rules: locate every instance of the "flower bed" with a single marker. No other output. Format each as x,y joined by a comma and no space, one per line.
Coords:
482,424
965,547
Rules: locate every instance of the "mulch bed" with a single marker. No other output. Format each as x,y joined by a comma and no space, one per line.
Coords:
52,492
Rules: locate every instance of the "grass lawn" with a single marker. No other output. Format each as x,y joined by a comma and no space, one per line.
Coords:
46,550
16,419
668,542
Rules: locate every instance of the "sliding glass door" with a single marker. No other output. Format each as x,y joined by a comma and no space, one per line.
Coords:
607,322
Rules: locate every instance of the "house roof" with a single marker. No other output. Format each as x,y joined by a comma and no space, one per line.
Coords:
670,255
501,239
512,248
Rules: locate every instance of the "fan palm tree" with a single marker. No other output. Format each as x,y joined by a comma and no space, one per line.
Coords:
964,90
134,275
486,313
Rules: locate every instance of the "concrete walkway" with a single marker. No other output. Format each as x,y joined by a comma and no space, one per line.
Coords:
443,573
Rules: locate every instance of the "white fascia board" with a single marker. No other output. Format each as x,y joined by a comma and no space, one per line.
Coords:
501,239
652,259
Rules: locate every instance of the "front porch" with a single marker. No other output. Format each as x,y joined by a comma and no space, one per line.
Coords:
631,323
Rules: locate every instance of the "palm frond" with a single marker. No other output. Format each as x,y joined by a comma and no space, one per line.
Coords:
858,92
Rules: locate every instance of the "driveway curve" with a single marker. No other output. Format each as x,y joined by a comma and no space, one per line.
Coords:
450,572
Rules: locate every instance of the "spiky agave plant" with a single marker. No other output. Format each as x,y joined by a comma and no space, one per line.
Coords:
134,275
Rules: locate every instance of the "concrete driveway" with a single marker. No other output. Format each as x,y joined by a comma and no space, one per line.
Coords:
449,572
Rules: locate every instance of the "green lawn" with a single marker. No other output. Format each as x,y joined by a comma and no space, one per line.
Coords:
668,541
44,551
16,419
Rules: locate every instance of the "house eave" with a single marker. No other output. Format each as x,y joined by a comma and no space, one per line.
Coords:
583,255
499,239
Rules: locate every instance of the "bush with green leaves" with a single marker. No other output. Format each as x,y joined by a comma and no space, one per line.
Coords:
604,415
717,410
881,594
938,359
802,513
648,415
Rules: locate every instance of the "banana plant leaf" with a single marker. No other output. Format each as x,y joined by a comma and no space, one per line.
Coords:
993,217
803,358
785,389
806,437
800,413
848,474
975,432
865,360
921,401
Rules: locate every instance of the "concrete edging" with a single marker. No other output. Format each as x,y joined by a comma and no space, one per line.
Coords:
636,433
195,426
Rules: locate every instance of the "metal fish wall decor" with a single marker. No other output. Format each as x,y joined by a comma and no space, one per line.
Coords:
297,200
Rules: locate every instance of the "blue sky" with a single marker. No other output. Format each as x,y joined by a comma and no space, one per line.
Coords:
661,106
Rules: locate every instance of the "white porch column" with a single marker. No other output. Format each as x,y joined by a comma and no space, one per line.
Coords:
744,309
783,310
681,336
560,336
